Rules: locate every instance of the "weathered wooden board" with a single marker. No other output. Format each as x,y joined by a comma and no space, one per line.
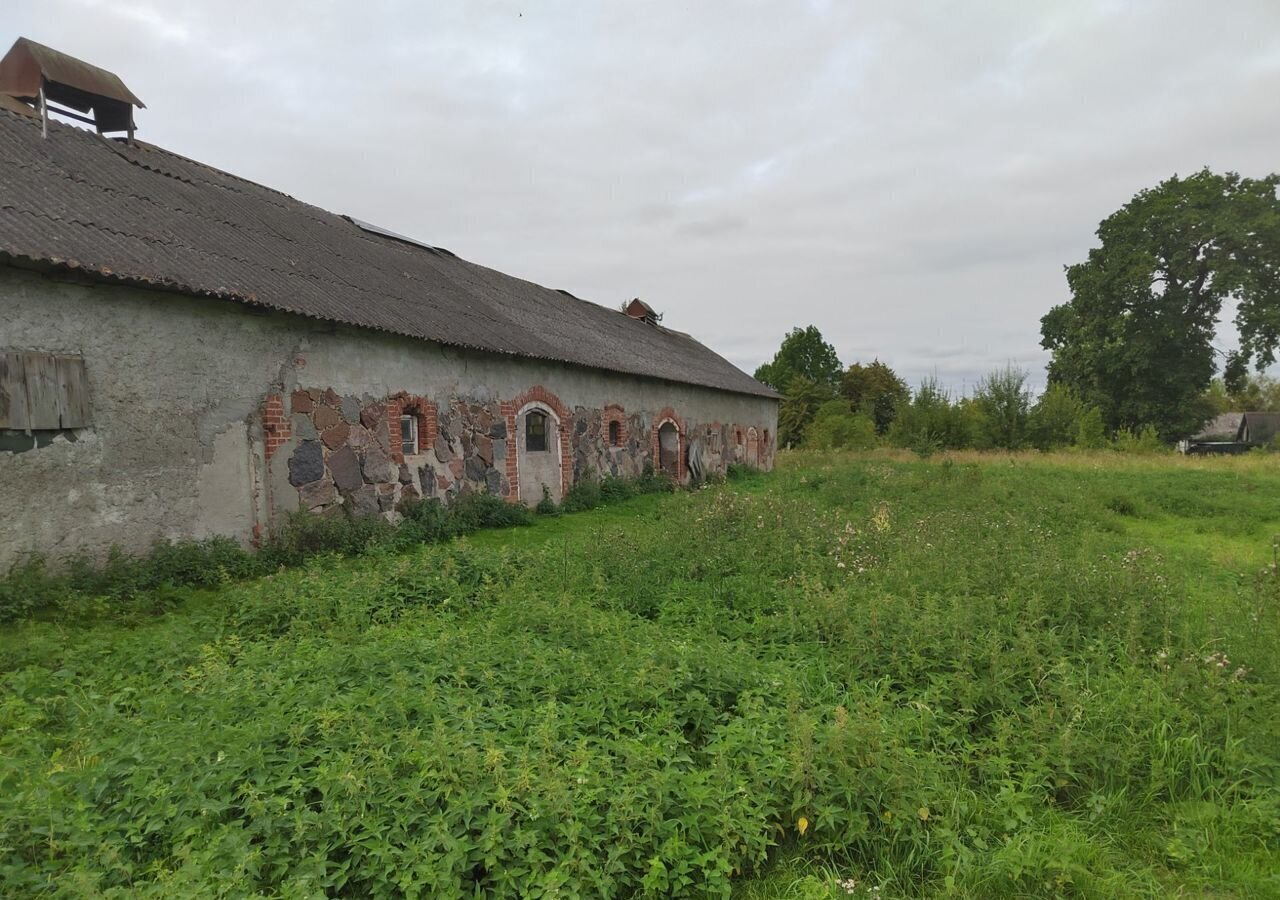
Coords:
73,396
41,371
13,393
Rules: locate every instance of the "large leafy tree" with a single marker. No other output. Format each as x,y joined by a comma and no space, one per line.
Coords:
805,353
875,390
801,401
1135,339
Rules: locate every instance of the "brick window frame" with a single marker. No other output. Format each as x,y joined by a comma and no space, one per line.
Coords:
427,415
614,415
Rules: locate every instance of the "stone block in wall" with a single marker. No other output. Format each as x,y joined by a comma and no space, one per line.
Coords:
406,476
317,493
350,408
388,496
326,417
336,436
493,482
331,398
344,465
427,478
484,448
307,464
364,501
475,468
372,414
499,449
359,437
498,430
303,430
378,467
301,402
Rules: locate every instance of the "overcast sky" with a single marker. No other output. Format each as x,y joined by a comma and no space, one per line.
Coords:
909,177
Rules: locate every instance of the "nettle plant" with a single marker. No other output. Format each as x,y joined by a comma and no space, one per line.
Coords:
936,678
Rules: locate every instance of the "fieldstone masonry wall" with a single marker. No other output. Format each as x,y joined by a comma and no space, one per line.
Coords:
348,452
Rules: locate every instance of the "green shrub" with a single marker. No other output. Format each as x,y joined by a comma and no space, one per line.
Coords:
1144,440
1091,434
1054,421
614,489
306,534
472,512
582,496
837,427
546,506
28,587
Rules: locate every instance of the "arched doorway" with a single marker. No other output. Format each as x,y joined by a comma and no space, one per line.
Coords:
538,454
669,449
753,446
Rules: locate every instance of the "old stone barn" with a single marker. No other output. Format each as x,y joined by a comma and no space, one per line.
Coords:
184,353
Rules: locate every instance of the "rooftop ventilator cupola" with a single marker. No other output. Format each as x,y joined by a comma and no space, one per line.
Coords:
37,76
638,309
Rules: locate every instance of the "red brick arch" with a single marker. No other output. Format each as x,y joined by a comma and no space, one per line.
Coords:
614,413
667,414
510,410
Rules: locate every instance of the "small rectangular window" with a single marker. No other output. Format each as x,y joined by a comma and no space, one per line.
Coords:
409,435
535,432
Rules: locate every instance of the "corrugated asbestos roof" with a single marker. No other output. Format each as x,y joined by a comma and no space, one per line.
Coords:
143,215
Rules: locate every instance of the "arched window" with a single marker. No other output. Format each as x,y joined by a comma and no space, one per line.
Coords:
615,433
535,431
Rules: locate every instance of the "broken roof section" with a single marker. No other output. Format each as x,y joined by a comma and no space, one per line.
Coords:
142,215
28,67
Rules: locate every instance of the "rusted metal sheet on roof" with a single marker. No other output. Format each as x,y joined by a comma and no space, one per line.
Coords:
13,104
27,63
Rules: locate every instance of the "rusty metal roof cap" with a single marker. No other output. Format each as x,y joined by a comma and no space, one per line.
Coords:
27,62
13,104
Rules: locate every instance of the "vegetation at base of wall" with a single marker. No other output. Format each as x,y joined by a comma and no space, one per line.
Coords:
590,493
130,586
984,678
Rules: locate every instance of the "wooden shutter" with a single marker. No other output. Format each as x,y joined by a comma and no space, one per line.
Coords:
13,392
73,392
43,392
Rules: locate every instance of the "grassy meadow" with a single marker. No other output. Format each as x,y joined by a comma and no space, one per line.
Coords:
975,675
